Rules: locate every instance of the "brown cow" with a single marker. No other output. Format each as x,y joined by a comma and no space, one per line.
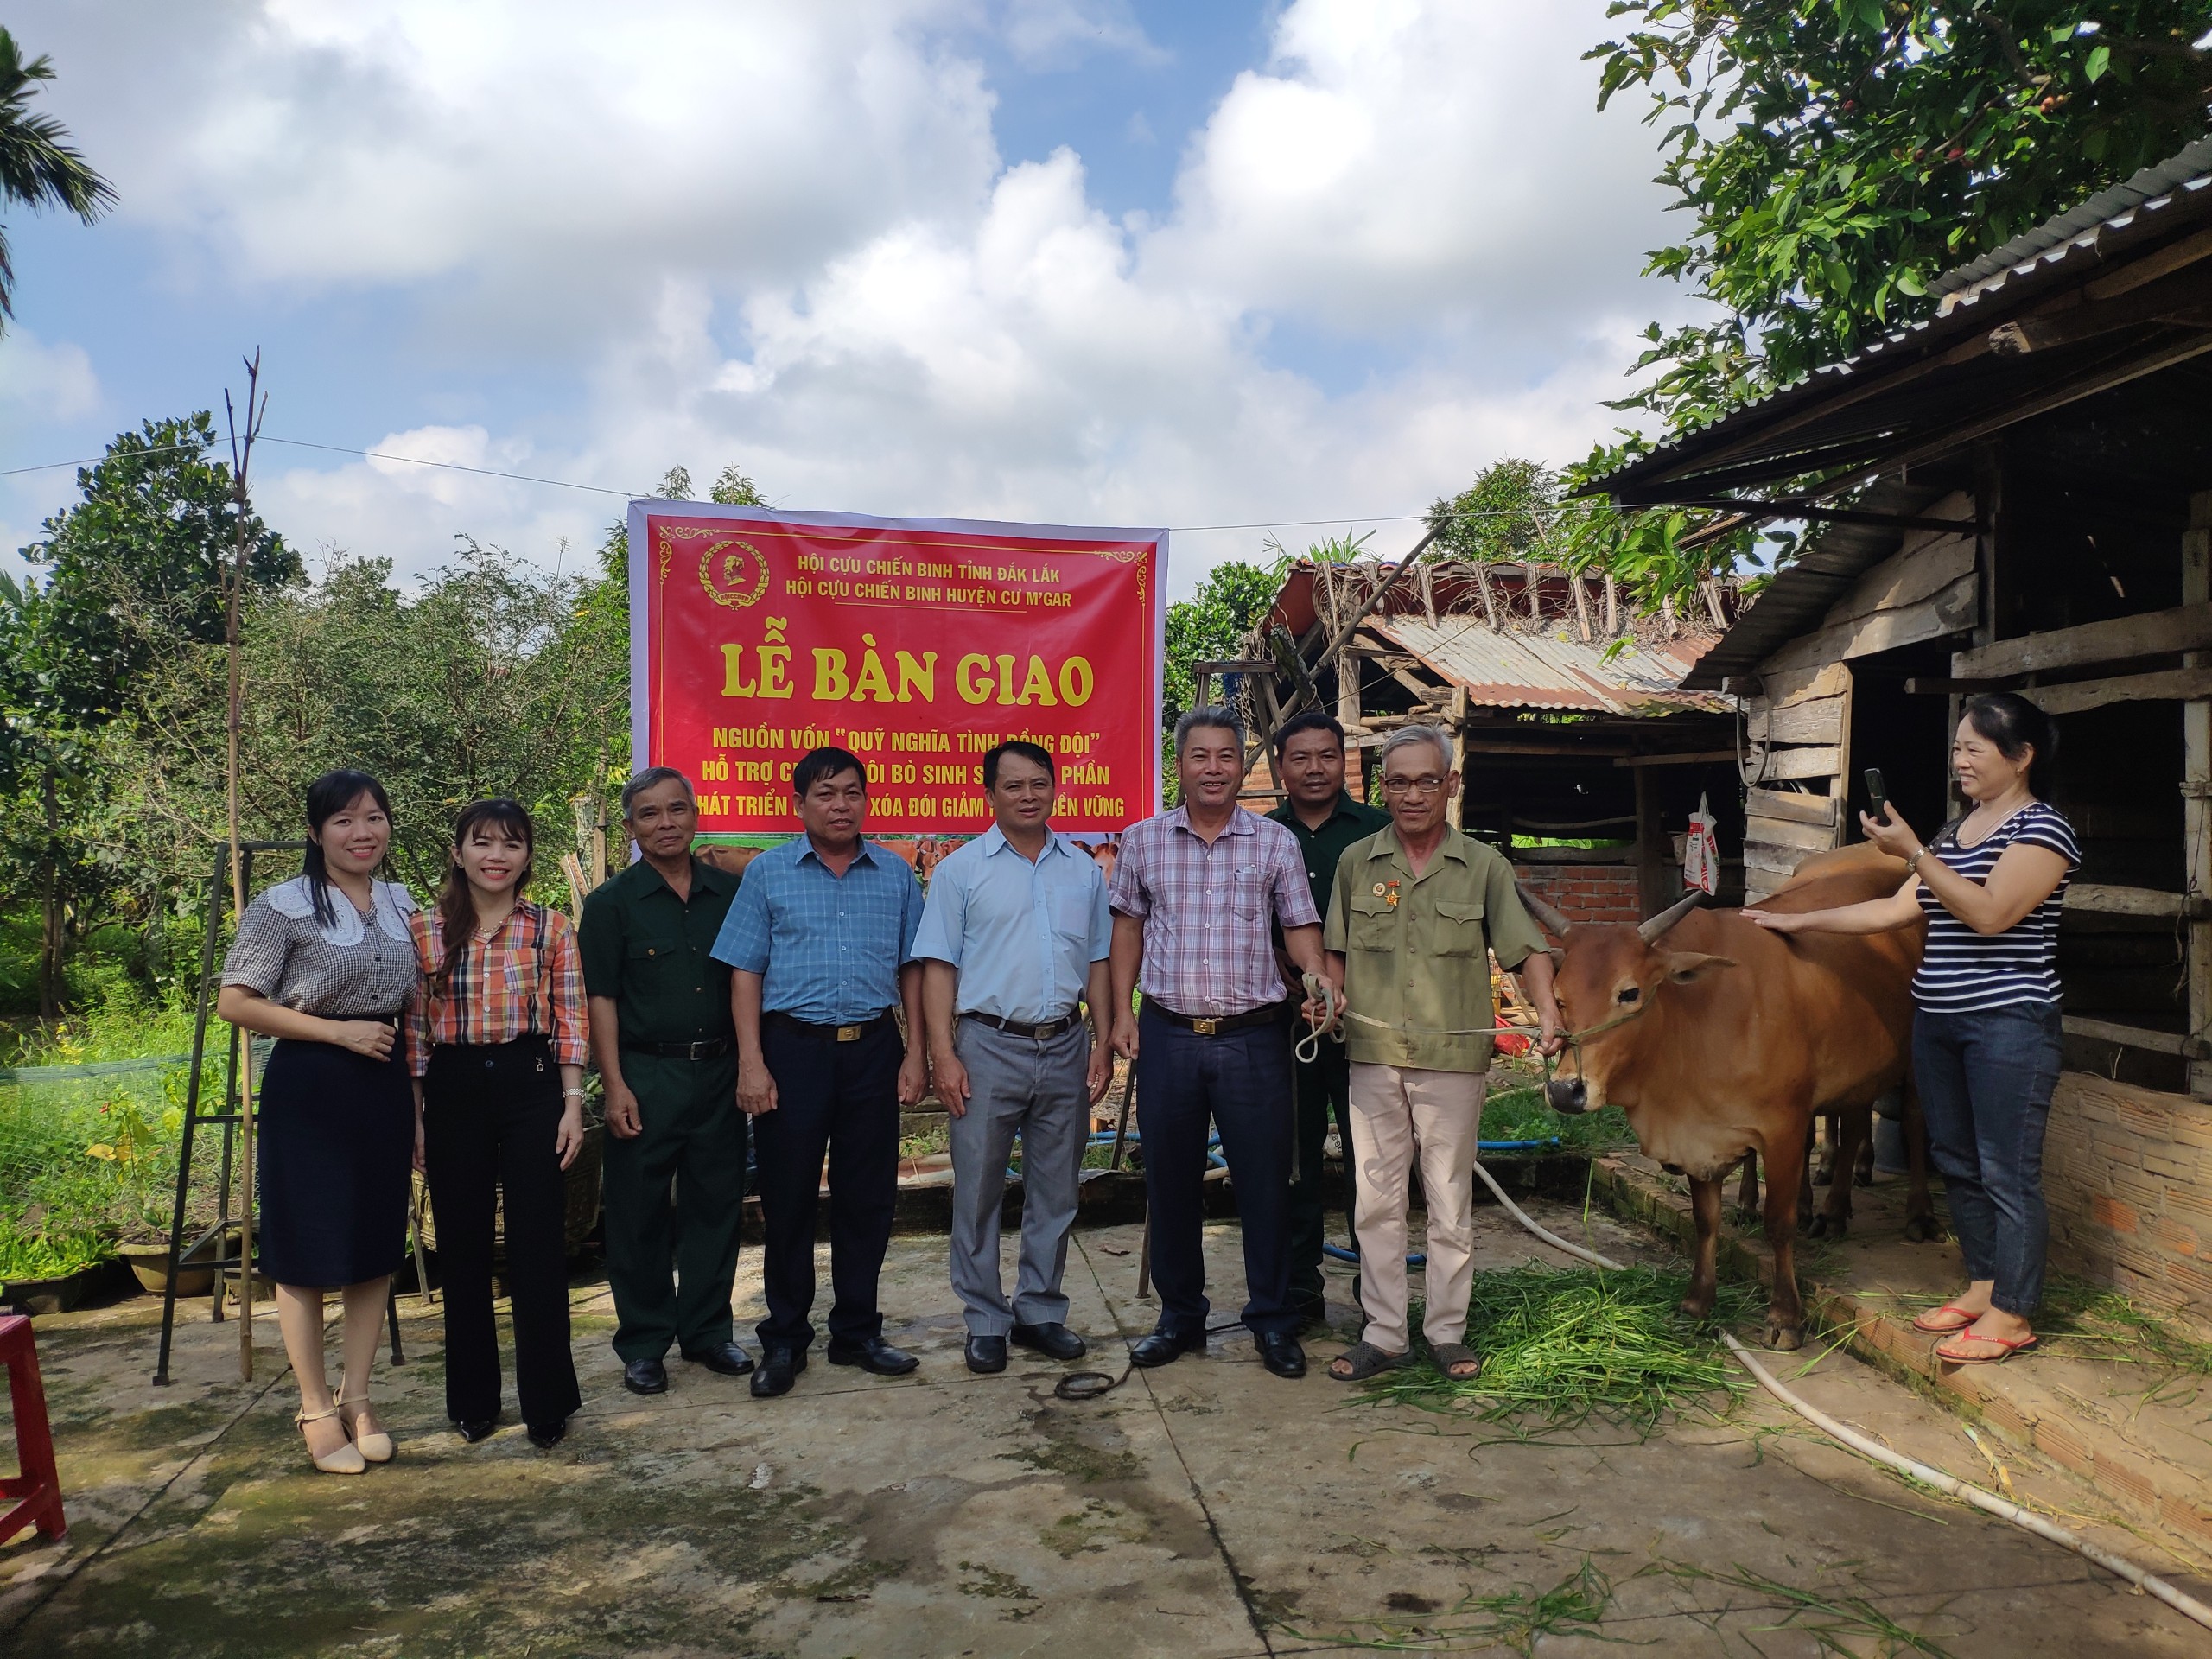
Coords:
1719,1037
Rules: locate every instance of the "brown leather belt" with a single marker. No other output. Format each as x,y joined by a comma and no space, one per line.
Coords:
1217,1025
834,1034
712,1049
1026,1028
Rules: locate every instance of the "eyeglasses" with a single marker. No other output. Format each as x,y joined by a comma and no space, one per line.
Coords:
1428,784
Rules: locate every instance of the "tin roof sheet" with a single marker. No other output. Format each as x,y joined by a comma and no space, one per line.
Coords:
1552,669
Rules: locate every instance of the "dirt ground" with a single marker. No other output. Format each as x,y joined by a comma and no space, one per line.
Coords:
1204,1511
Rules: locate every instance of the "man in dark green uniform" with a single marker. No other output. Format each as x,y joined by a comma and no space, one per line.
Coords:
1309,753
661,1032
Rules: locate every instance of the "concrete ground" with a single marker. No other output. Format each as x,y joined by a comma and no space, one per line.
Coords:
1203,1511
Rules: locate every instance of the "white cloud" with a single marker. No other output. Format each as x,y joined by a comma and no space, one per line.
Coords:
782,235
41,382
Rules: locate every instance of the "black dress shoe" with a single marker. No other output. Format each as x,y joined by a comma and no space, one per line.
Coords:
1279,1353
549,1435
874,1355
1053,1341
725,1359
986,1355
645,1377
1165,1348
480,1429
779,1368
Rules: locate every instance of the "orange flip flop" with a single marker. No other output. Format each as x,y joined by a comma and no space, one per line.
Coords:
1965,1319
2006,1349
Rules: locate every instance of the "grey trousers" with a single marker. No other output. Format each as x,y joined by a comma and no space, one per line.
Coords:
1017,1084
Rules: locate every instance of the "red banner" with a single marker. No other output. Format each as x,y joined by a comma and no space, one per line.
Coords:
918,645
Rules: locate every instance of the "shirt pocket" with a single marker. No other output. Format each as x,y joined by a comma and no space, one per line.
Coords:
655,966
1248,891
1373,924
1070,908
1458,929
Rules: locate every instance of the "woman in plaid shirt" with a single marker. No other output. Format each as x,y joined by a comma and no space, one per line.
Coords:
498,1045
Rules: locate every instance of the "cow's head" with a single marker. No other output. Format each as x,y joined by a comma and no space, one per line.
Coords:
1609,978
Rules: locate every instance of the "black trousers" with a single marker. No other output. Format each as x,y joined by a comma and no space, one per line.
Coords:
1321,1087
1241,1080
489,1118
841,1098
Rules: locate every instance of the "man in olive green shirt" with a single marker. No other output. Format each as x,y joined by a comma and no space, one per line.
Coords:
661,1032
1416,910
1309,754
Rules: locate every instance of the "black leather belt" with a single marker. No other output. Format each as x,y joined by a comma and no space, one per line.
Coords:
835,1033
1028,1028
712,1048
1215,1025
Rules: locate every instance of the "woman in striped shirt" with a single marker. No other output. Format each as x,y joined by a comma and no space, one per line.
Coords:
1986,1026
498,1048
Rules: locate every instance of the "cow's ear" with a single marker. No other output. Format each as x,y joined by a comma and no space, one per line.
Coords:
1684,966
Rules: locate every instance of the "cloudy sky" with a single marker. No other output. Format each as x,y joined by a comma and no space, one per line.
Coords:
1101,262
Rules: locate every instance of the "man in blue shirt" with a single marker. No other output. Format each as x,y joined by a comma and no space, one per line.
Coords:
1016,936
821,938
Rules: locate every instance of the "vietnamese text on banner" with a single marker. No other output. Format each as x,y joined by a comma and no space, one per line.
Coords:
918,644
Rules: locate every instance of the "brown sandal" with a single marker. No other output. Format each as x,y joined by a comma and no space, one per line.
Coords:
1448,1354
1363,1360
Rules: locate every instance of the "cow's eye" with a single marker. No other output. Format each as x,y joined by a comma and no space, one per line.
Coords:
1628,994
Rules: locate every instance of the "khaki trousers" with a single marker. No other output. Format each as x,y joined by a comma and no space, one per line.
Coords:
1397,1113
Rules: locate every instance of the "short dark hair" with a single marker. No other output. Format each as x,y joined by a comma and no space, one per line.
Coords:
1027,750
652,778
819,764
2013,723
1314,720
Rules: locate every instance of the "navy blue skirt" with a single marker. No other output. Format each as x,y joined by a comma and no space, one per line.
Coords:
335,1136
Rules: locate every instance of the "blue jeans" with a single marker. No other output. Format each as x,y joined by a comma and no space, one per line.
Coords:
1985,1080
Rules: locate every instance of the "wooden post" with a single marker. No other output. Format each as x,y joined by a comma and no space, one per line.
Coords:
2196,790
1654,853
1490,600
1348,692
1612,605
1581,606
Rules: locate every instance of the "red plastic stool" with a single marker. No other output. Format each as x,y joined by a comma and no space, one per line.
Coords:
38,1488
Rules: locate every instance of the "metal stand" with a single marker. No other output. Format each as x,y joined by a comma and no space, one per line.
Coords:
219,888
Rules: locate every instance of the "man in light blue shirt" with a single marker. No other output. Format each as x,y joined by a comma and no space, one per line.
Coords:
821,943
1015,938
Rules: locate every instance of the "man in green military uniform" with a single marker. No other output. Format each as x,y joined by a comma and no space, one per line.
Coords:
1309,753
1414,912
661,1033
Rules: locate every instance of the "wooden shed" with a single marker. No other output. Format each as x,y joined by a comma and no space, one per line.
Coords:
2018,495
1570,713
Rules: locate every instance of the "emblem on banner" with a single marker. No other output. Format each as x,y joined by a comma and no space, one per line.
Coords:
733,573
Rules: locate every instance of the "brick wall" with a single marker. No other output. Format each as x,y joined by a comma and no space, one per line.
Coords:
2128,1175
1585,892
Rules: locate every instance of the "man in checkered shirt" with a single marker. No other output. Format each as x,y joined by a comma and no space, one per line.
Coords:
1194,892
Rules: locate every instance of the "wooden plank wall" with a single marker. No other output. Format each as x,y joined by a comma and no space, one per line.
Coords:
1797,728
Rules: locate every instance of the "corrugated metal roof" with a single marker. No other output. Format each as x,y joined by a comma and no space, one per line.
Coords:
2189,170
2157,202
1552,669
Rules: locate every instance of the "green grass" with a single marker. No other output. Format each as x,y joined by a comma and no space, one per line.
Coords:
1516,1618
1517,1112
1835,1622
1565,1347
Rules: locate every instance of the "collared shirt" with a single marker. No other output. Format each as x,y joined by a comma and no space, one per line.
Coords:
1348,822
349,967
829,948
522,980
1416,949
649,952
1206,909
1022,935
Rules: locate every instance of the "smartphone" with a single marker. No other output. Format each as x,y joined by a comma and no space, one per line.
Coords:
1877,797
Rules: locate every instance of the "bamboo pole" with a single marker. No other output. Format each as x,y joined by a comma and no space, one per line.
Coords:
241,459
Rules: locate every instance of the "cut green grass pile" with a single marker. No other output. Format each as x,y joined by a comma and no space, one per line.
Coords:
1518,1113
1563,1347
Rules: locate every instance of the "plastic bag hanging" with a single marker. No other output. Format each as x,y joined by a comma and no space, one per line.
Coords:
1701,852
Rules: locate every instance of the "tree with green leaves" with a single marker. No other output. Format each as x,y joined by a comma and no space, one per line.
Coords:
1510,512
1832,157
39,166
1210,626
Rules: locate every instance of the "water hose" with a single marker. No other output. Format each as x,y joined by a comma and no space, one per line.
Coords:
1988,1502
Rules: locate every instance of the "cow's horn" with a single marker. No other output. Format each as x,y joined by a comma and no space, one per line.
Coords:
1649,932
1546,917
